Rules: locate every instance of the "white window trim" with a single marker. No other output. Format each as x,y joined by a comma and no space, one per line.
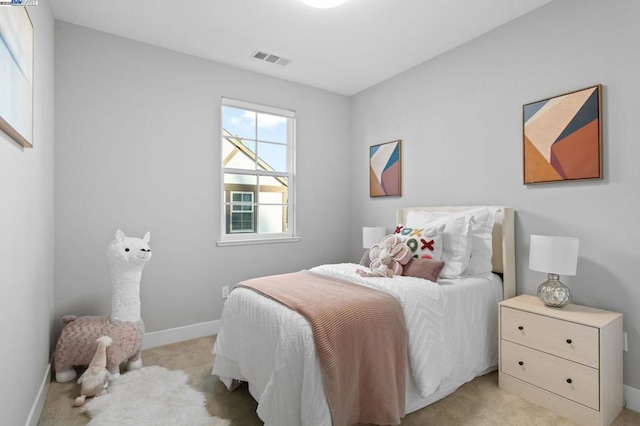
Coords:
252,238
257,108
274,240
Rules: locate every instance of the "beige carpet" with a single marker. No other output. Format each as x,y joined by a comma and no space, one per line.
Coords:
477,403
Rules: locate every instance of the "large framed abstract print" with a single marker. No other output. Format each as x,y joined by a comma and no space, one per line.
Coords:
562,137
385,169
16,74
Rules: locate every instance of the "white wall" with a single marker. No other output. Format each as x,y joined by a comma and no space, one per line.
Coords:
138,148
460,119
26,240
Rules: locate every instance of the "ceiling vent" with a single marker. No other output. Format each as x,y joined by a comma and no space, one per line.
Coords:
268,57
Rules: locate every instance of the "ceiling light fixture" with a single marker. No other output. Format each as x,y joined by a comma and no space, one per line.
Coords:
323,4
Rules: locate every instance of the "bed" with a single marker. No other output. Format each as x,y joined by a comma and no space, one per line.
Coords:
452,333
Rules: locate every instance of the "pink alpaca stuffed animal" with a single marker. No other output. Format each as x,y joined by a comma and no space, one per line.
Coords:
387,258
77,342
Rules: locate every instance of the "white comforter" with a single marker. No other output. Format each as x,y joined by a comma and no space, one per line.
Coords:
452,337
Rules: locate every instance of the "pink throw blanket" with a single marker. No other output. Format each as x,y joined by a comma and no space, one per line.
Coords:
361,341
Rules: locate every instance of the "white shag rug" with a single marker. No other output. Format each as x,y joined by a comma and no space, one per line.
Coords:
151,396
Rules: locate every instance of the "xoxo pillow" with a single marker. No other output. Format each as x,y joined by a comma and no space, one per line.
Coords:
424,242
456,240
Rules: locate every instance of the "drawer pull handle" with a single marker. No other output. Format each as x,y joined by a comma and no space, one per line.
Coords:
569,381
569,341
522,363
520,327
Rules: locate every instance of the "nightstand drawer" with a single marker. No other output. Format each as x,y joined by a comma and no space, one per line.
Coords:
576,342
568,379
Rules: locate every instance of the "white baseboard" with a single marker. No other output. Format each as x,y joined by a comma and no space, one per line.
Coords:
180,334
632,398
38,404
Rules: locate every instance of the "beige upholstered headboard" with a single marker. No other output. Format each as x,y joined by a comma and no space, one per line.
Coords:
504,244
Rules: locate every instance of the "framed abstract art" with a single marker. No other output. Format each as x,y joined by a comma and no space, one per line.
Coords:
385,169
562,137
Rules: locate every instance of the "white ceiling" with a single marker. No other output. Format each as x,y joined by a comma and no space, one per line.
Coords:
344,50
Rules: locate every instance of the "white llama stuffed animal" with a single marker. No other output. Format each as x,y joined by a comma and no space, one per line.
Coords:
77,342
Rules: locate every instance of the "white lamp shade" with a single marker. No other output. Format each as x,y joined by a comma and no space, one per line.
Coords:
554,255
372,235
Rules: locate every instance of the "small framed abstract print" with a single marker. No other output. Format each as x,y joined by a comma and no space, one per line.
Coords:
385,169
562,137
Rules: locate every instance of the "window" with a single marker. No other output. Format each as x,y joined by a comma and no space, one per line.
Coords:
242,217
257,173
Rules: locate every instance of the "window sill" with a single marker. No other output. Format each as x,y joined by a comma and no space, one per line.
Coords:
228,243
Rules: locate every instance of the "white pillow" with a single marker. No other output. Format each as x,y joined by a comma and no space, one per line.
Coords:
456,240
482,239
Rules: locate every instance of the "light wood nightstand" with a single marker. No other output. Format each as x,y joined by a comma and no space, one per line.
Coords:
567,359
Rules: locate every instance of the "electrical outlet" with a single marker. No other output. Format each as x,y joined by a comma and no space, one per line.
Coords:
225,291
626,347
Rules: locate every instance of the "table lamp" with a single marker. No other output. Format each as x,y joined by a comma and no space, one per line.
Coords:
372,235
556,256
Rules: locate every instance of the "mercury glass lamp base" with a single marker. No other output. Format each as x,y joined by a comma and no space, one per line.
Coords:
553,293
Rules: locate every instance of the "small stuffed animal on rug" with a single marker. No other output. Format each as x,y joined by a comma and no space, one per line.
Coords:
387,258
95,379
